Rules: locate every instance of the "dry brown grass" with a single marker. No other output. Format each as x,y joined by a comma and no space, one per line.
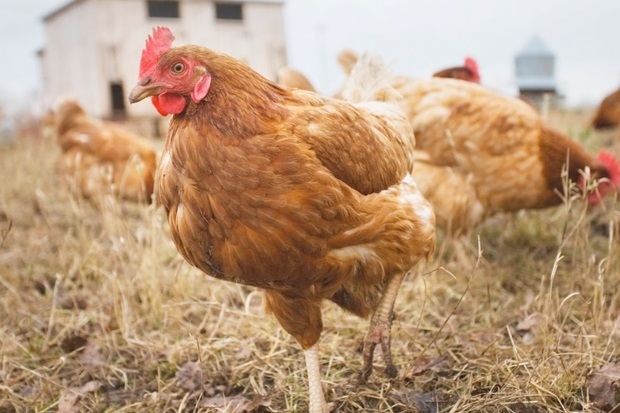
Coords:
98,313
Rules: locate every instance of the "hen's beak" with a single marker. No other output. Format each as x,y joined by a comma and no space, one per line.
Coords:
143,89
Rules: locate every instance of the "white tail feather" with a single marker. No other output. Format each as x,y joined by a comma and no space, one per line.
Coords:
370,80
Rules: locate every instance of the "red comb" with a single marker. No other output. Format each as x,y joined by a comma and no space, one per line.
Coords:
156,44
612,165
472,65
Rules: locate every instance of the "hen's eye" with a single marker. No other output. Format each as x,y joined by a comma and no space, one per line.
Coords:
178,67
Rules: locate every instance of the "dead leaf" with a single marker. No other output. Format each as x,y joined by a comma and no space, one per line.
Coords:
604,386
521,407
72,303
89,351
4,233
69,399
423,364
528,328
423,402
40,202
91,355
243,354
235,404
28,392
73,343
189,376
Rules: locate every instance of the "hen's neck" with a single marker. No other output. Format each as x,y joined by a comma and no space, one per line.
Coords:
240,104
559,151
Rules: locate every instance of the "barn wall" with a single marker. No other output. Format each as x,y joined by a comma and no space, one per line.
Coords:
70,58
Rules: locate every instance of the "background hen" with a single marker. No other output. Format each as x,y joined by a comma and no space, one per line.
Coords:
479,153
499,153
306,197
103,157
608,112
289,77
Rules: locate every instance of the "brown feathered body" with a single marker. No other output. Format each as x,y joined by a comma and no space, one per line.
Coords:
451,192
305,197
608,112
481,153
103,157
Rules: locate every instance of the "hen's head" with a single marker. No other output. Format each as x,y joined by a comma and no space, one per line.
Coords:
472,65
611,165
170,76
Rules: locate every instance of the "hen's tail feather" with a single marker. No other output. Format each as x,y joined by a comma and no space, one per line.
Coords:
370,80
370,87
347,59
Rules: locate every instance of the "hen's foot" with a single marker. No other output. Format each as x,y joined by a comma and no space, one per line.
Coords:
379,332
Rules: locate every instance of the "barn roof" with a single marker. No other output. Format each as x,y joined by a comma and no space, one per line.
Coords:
72,3
535,47
61,9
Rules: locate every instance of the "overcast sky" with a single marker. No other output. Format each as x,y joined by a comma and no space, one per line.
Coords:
416,37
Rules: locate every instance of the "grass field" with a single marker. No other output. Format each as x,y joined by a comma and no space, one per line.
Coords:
98,313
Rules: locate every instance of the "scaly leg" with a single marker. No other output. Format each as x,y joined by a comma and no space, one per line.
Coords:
317,399
379,331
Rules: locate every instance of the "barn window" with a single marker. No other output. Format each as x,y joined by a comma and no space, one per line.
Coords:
163,8
117,97
228,11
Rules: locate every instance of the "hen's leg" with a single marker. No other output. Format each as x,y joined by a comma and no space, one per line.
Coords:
380,328
317,399
301,317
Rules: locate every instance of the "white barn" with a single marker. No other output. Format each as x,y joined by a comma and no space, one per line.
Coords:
93,47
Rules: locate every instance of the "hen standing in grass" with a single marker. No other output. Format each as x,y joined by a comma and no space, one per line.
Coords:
306,197
102,156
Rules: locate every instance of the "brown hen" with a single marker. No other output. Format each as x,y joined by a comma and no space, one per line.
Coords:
103,157
499,153
306,197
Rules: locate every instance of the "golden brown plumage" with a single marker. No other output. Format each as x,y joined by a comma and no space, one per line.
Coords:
305,197
103,157
608,112
451,192
497,152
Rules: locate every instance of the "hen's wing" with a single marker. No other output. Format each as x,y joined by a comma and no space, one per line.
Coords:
366,142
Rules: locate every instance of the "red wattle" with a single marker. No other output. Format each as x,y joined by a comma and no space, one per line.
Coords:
160,110
168,103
